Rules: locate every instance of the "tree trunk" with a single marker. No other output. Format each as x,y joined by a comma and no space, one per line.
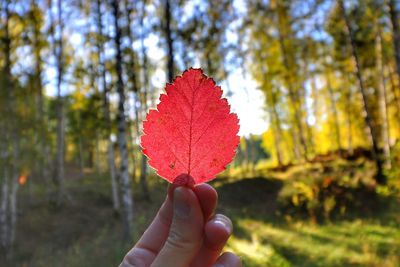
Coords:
134,79
276,134
143,100
131,128
5,148
293,96
14,189
60,150
334,112
41,134
10,148
380,178
81,159
4,214
106,111
97,154
382,100
114,183
394,86
127,200
296,148
170,42
246,158
315,102
332,102
310,135
274,118
394,18
143,180
349,122
58,54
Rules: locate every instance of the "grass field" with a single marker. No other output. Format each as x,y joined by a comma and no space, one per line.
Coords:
86,232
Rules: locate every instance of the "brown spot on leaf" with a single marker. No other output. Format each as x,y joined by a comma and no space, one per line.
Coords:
214,163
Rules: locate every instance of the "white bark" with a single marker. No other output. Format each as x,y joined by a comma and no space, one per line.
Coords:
126,194
382,101
13,211
143,172
106,110
14,188
4,226
57,45
114,184
10,145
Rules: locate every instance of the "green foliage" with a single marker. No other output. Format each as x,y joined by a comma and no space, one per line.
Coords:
250,150
393,186
323,198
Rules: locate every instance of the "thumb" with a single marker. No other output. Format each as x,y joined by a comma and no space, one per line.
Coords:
186,233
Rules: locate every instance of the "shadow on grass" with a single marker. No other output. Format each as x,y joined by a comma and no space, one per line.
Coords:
257,198
252,197
341,241
89,227
325,246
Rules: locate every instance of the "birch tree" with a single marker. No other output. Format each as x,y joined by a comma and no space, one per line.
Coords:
385,137
372,134
57,43
10,148
126,194
290,75
106,107
394,18
169,40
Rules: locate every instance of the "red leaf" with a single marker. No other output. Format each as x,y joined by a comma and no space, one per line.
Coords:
192,131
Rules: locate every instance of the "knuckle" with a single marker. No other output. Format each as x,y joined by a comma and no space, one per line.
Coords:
132,261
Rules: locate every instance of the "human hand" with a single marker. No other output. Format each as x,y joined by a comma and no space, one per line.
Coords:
185,232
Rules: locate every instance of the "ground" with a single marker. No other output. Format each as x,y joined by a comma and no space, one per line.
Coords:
86,232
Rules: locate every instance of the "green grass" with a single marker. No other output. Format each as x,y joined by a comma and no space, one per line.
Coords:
347,243
87,233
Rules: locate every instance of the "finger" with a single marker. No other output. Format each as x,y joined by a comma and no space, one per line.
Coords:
183,179
208,198
151,242
154,237
205,193
217,231
186,232
228,259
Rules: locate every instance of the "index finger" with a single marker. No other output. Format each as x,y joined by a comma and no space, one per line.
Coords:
154,237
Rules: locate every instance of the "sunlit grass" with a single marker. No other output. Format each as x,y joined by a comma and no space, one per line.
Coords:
348,243
255,253
262,236
357,243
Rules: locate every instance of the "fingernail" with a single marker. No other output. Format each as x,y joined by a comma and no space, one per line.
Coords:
184,180
181,205
224,222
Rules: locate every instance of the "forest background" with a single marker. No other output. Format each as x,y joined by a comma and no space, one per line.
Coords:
315,83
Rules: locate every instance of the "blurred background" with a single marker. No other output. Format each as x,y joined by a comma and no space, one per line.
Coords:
315,83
